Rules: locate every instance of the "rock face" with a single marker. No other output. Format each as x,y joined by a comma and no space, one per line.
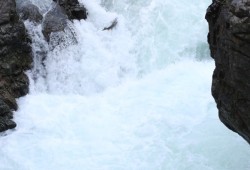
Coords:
15,46
29,11
73,9
229,40
15,58
56,19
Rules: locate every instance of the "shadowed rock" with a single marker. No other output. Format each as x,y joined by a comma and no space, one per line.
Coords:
7,11
54,21
113,25
30,12
5,116
229,40
57,27
73,9
15,58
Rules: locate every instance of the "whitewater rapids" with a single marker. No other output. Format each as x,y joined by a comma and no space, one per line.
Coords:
134,98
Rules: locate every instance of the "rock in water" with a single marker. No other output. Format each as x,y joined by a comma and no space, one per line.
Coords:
54,21
57,27
29,11
73,9
15,58
229,40
112,26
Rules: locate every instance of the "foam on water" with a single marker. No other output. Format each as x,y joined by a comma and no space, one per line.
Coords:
164,31
152,124
134,98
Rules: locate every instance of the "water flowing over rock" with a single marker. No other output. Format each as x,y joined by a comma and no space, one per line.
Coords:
229,40
15,58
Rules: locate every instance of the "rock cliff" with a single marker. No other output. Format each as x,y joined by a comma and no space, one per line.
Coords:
15,58
229,40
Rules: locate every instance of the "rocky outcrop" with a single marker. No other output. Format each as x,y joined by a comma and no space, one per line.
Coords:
56,19
15,58
229,40
29,11
73,9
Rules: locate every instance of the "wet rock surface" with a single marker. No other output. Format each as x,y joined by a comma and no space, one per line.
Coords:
63,10
15,58
29,11
73,9
15,46
229,40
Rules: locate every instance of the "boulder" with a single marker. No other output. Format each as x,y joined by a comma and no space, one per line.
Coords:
54,21
29,11
56,28
73,9
229,41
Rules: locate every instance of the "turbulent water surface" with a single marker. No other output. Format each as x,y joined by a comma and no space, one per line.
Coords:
133,98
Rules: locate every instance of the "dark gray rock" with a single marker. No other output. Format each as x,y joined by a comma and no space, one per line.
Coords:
8,97
54,21
5,115
7,11
6,123
73,9
229,40
112,26
4,109
15,58
30,12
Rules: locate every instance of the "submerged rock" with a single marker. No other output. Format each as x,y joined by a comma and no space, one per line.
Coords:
229,40
15,58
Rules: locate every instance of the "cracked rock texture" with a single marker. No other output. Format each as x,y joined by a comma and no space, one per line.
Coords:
15,58
229,40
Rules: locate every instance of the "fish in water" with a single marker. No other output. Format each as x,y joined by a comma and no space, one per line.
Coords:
114,23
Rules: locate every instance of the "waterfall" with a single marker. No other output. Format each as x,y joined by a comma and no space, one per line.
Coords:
136,97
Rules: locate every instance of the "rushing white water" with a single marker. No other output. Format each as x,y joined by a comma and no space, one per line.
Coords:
133,98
